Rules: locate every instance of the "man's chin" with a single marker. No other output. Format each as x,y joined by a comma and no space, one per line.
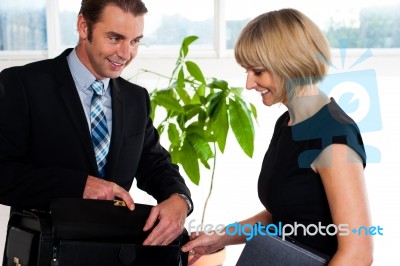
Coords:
114,74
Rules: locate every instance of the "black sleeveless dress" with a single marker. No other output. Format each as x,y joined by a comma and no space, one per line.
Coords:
288,188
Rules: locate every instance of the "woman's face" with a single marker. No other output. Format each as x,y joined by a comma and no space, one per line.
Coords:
261,80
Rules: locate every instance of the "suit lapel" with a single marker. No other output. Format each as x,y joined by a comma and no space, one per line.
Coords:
69,95
118,115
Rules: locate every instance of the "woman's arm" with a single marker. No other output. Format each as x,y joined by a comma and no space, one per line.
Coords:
342,174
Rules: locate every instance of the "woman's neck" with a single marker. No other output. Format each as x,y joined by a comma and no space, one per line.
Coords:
302,107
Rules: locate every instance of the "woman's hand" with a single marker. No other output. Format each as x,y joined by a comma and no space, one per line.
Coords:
203,243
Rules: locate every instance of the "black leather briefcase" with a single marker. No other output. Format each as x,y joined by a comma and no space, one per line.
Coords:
87,232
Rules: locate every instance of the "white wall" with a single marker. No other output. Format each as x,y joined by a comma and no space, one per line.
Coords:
235,195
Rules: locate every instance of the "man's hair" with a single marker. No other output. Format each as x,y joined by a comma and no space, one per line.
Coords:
287,44
92,10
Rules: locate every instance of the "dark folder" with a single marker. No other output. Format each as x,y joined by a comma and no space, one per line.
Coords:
270,250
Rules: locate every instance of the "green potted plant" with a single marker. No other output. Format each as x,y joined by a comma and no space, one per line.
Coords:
199,112
197,115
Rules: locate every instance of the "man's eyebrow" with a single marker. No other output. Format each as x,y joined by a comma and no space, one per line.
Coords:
114,34
139,37
120,36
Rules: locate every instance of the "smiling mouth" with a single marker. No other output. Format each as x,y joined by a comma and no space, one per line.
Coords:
264,91
115,63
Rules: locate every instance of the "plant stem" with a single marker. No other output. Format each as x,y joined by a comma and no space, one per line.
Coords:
154,73
211,185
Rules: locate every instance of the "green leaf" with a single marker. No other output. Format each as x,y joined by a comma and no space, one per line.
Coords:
181,79
181,88
178,68
169,103
160,129
202,118
220,124
237,91
189,161
185,45
194,128
181,120
192,110
174,152
242,127
195,71
250,111
200,90
167,91
202,148
253,110
173,135
197,127
199,95
218,84
214,101
153,105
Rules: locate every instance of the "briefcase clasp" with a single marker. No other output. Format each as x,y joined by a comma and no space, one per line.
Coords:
16,261
119,203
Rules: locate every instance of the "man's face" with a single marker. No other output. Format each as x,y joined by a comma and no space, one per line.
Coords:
114,43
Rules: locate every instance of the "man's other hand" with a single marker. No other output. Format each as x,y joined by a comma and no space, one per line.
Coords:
171,215
97,188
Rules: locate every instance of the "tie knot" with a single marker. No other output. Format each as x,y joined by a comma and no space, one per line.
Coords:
97,87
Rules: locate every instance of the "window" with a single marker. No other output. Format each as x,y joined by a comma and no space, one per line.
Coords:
67,16
360,23
23,25
27,25
236,19
168,22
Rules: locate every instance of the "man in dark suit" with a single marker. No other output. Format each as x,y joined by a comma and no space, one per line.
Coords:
47,147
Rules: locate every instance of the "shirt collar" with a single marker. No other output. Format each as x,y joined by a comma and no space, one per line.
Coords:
82,76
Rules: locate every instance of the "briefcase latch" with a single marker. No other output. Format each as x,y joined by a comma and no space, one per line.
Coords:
16,261
119,203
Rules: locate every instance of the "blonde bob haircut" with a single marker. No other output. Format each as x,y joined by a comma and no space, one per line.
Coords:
288,45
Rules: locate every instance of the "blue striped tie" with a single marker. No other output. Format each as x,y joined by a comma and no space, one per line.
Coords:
98,123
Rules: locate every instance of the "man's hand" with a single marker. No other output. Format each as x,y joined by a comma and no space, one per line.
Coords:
97,188
171,215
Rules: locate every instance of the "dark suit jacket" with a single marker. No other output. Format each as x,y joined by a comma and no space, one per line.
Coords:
45,144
